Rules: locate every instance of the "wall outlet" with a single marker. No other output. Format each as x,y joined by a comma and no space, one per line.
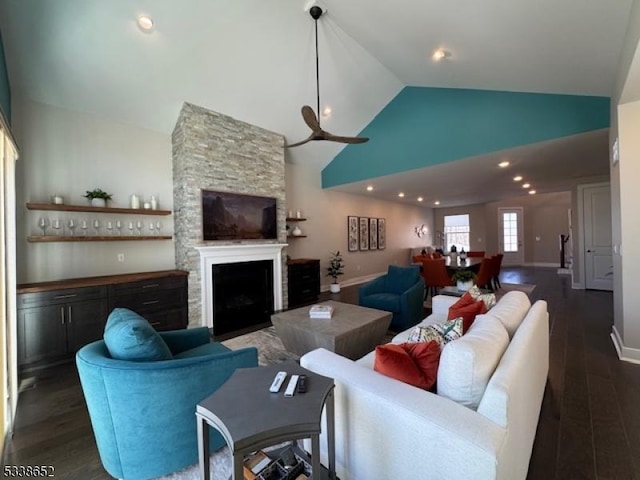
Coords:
121,257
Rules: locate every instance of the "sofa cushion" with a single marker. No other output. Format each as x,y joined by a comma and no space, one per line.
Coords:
389,302
467,308
467,364
442,333
210,348
128,336
511,310
401,279
412,363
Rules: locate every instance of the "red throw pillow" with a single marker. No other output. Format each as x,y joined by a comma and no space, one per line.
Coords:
468,311
412,363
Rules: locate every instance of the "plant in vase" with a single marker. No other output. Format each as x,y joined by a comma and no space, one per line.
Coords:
464,279
98,197
336,265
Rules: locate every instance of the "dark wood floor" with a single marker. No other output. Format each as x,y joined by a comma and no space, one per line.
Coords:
589,425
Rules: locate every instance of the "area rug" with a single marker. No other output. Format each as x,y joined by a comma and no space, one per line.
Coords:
270,347
505,287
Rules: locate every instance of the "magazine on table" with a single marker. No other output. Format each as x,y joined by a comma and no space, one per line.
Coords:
320,311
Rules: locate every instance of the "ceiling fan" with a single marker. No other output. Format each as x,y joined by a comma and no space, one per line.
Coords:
308,115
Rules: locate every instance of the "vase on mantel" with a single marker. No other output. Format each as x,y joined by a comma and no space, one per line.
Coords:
98,202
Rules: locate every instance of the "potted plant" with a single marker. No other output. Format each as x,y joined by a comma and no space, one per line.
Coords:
98,197
464,279
336,265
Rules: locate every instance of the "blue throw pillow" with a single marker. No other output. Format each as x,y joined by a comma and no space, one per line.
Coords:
400,279
128,336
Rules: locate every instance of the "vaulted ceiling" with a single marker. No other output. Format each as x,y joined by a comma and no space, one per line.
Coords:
254,60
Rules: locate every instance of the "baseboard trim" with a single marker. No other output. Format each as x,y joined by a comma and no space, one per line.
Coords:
564,271
542,264
626,354
354,281
577,286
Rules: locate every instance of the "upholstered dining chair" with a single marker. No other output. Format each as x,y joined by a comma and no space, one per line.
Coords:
484,277
497,266
475,253
142,409
435,275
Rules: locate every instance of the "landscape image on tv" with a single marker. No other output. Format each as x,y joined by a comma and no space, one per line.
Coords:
234,216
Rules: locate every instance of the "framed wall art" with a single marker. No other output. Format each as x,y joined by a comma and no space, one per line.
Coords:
352,234
364,234
373,234
382,234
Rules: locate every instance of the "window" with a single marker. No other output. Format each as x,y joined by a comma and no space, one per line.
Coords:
510,231
456,232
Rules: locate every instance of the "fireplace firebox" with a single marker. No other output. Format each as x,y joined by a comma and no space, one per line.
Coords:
242,295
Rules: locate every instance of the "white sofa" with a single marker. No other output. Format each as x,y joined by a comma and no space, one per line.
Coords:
386,429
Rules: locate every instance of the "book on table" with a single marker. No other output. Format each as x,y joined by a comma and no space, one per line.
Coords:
320,311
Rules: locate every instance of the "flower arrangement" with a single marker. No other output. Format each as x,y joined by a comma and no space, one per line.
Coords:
463,275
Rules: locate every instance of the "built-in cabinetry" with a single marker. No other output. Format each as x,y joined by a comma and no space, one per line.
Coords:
304,281
55,319
94,238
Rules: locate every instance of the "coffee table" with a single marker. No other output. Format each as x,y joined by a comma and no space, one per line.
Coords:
353,331
454,292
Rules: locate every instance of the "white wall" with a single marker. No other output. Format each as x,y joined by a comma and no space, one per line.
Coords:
326,227
67,153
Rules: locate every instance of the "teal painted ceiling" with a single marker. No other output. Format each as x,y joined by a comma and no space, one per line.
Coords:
425,126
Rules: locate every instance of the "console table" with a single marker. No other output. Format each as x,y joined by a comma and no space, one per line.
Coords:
249,417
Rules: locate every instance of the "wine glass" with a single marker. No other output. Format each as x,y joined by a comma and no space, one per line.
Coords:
119,227
152,227
43,223
71,225
159,227
139,227
96,226
110,227
130,227
84,226
57,226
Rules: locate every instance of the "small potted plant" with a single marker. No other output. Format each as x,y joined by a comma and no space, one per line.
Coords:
336,265
98,197
464,279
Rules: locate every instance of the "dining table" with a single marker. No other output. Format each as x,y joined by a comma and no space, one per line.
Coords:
472,264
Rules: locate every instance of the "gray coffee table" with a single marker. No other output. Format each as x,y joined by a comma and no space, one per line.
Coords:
352,332
249,417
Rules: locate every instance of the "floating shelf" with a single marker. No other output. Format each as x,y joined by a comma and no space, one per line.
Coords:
296,236
123,238
295,219
87,208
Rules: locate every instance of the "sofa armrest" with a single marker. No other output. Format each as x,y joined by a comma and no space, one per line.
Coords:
180,341
374,286
441,303
385,428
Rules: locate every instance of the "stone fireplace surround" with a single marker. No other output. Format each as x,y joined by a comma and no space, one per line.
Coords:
212,151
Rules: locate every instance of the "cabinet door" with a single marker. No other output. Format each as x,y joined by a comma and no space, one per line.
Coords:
41,333
85,322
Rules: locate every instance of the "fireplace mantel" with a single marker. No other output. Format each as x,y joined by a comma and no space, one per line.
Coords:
218,254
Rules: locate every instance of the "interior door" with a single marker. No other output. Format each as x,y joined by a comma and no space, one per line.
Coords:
598,261
510,235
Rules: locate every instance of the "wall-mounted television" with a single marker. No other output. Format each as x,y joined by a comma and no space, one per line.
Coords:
235,216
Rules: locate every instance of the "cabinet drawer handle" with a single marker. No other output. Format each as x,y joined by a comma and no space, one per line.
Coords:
151,285
69,315
62,315
151,302
71,295
153,324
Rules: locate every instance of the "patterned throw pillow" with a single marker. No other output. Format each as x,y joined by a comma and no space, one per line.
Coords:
489,299
442,333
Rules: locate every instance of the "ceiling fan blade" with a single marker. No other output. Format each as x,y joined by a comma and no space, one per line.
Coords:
310,118
308,139
337,138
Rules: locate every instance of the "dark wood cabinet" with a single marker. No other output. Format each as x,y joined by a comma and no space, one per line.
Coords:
55,319
304,281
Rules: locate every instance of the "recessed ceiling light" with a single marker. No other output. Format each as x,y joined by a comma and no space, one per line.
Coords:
326,111
401,194
526,185
437,202
517,178
532,192
145,23
420,199
440,54
369,188
503,164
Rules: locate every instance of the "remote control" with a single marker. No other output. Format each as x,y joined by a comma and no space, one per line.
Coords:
277,382
302,384
291,387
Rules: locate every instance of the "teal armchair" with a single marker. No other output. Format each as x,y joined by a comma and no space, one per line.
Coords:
400,291
143,412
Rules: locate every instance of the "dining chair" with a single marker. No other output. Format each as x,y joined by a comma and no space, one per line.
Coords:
484,277
475,253
496,270
435,276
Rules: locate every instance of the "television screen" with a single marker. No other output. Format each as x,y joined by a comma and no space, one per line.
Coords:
234,216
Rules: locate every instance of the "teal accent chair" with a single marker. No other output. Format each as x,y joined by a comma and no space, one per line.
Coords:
143,413
400,291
